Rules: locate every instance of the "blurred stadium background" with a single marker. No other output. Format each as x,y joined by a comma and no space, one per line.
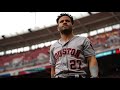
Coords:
27,54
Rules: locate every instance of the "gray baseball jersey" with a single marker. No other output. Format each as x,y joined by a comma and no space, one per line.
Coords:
71,55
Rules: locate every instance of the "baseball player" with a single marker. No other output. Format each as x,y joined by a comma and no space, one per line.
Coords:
71,56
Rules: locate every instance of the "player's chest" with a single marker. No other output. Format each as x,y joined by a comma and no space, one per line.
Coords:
68,48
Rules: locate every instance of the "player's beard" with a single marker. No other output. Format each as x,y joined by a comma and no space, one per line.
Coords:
65,31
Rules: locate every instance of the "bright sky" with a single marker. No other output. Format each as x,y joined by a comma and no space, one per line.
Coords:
12,23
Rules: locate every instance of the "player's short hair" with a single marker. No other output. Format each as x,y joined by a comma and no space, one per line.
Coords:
65,14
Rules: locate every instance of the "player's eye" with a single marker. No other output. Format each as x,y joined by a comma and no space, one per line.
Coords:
61,21
67,20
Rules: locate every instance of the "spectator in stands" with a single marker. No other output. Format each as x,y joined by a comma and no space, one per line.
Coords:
113,40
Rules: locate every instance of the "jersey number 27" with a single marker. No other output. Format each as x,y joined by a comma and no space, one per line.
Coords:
75,64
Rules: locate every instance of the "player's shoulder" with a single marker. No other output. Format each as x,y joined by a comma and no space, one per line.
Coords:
81,38
54,44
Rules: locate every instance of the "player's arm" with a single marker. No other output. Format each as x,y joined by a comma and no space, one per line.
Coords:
52,62
52,71
93,66
89,53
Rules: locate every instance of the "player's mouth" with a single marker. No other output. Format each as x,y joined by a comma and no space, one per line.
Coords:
65,26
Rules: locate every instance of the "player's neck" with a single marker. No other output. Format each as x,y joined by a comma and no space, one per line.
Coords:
66,38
